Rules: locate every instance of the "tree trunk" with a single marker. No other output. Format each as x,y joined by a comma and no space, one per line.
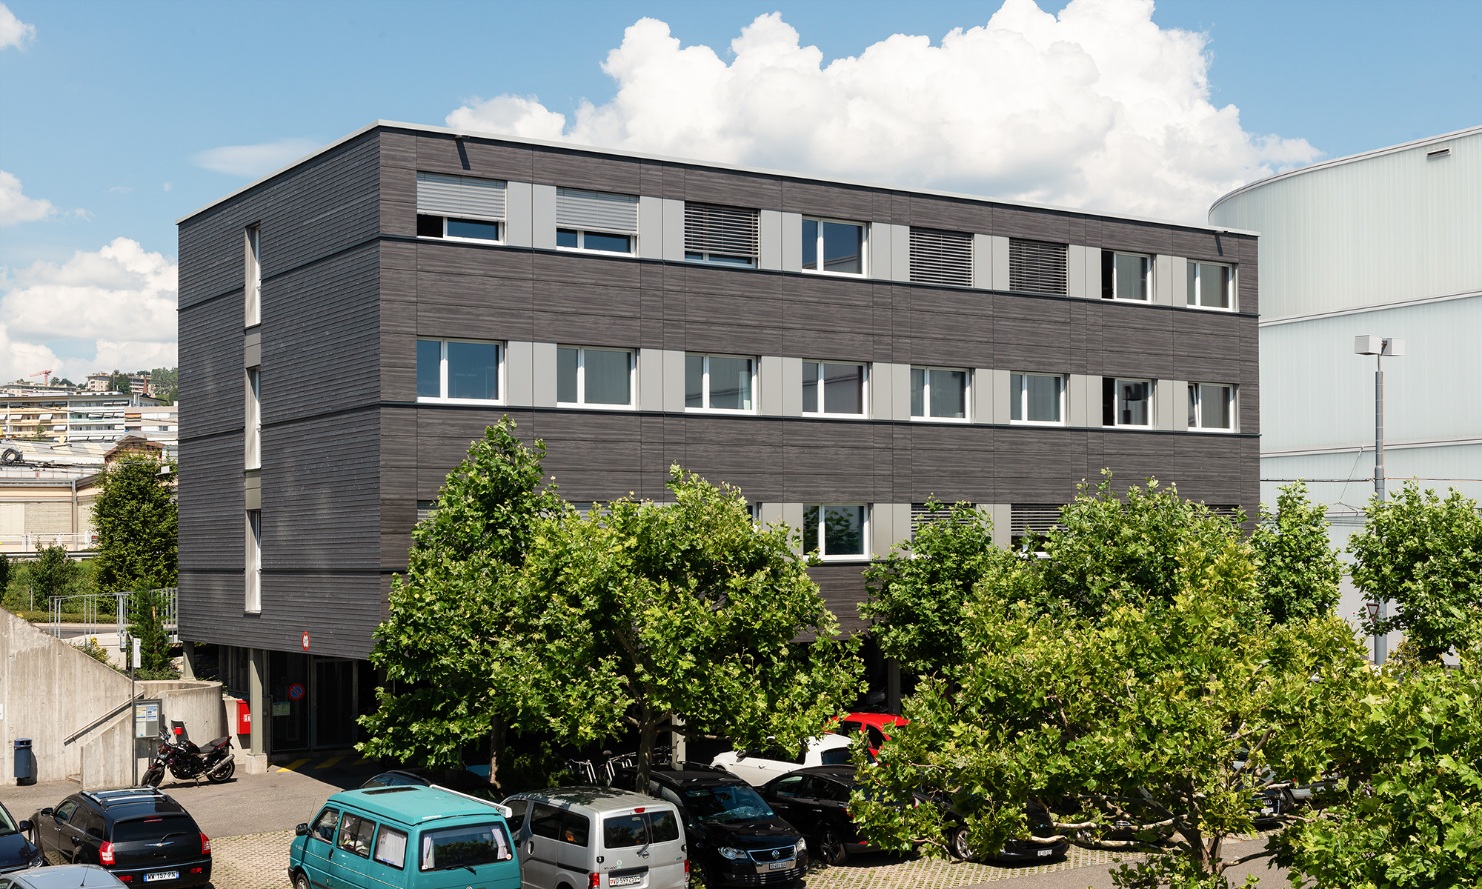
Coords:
648,733
496,749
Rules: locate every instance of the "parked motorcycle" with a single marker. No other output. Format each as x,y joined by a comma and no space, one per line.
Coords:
186,761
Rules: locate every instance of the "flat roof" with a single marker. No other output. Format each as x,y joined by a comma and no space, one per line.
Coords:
691,162
1350,159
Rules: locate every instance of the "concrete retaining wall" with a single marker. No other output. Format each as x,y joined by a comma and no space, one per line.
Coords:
49,691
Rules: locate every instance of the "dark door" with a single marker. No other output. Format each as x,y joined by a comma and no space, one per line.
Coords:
333,697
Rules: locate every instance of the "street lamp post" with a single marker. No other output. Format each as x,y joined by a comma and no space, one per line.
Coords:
1378,347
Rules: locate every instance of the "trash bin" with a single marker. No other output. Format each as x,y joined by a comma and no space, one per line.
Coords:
25,762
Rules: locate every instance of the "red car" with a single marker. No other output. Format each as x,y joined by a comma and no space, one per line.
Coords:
876,727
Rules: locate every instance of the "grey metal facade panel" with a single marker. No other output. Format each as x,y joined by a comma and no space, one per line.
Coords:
586,314
398,189
1033,334
833,201
441,153
211,505
320,479
1137,342
324,205
211,355
1210,347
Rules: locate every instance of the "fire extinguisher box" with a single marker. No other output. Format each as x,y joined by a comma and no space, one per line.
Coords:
244,718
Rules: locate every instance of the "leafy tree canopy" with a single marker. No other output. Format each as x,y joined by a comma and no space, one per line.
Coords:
135,517
53,573
1297,568
1424,554
118,381
516,609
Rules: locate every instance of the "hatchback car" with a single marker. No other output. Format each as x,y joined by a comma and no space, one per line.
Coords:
815,800
584,837
875,726
68,876
760,766
734,836
140,834
16,851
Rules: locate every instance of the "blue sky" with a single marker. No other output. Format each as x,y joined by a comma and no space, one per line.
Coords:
118,118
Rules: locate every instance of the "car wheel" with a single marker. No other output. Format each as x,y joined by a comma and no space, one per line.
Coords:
959,844
831,849
300,880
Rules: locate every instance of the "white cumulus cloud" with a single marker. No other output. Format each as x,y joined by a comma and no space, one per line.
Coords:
16,207
252,161
13,31
116,304
1096,108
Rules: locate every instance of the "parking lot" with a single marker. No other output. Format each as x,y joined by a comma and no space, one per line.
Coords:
250,821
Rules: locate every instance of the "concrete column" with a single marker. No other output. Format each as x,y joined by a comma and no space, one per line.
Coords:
256,756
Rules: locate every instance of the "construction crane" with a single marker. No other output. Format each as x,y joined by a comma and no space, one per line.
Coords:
44,374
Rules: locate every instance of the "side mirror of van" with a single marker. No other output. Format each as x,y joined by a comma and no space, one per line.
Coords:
301,830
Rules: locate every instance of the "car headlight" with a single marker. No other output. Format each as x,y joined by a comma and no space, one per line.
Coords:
732,853
38,858
800,846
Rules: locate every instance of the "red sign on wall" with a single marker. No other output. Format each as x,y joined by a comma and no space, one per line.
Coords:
306,640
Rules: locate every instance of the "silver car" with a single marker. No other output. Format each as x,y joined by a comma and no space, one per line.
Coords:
67,876
579,837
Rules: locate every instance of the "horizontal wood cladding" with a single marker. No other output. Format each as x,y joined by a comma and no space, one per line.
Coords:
339,611
321,337
320,479
211,503
842,587
211,364
313,210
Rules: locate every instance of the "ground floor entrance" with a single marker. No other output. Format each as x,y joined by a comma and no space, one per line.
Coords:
304,702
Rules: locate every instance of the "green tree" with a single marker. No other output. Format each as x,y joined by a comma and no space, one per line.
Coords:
1408,809
4,577
118,381
1297,569
1424,554
53,573
916,594
135,517
166,383
1151,692
515,611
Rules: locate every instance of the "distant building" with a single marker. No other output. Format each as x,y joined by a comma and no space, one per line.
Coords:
1384,243
101,417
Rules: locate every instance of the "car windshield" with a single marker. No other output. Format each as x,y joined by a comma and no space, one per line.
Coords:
467,846
726,803
7,824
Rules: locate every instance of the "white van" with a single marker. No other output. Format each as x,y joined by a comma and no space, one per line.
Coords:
598,837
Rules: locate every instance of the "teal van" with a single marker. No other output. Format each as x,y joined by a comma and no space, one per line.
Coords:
404,837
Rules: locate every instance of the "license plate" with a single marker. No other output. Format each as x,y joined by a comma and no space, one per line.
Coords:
629,880
162,875
1045,853
780,865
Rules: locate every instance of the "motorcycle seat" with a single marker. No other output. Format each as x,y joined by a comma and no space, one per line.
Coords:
222,741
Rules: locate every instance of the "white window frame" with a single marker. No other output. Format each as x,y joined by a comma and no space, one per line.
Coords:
252,563
1194,299
1147,277
864,389
499,372
252,248
1232,400
461,239
581,239
967,395
705,384
1117,403
823,555
1020,397
581,379
864,247
253,420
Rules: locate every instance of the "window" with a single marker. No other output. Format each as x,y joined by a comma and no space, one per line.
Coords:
596,220
833,389
1126,402
720,235
939,257
938,394
1126,276
253,566
457,370
560,824
468,846
459,207
1036,398
718,383
639,829
253,423
391,847
1036,267
594,377
836,247
1211,406
325,824
1211,285
836,531
253,285
355,835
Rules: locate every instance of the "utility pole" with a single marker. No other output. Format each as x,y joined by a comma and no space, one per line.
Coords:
1379,347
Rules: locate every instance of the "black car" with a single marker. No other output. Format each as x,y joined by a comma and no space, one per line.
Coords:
16,852
734,836
815,800
1043,845
139,834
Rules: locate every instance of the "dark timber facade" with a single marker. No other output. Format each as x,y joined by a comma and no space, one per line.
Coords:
840,352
